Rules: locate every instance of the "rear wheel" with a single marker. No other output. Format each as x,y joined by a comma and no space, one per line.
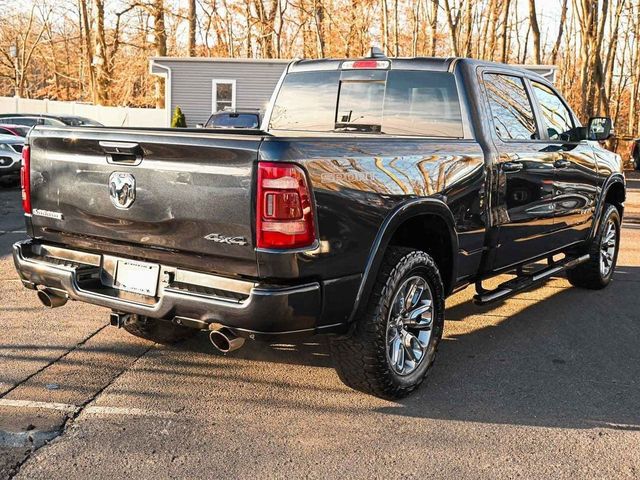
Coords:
157,331
394,342
597,272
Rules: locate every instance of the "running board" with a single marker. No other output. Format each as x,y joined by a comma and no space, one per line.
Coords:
523,281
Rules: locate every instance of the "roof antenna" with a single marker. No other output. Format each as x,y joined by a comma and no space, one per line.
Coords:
376,53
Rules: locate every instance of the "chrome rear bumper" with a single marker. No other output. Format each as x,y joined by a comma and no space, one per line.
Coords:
186,295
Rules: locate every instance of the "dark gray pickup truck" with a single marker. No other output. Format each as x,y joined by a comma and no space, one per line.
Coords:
375,189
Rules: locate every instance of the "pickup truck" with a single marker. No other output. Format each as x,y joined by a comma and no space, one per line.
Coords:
374,189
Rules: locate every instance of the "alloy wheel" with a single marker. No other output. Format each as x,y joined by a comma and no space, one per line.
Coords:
409,326
608,247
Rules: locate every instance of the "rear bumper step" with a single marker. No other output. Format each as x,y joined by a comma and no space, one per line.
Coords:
203,298
524,282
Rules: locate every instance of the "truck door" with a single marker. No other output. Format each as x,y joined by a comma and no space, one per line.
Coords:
523,194
576,179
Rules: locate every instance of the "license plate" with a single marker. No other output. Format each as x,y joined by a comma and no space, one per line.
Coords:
137,277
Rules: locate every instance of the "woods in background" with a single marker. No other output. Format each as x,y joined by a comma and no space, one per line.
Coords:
98,50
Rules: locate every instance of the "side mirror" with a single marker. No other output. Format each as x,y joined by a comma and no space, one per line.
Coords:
199,125
600,128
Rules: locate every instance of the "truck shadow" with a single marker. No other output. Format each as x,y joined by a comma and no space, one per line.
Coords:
570,361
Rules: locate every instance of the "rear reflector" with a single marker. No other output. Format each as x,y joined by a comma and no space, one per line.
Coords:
366,64
284,216
25,179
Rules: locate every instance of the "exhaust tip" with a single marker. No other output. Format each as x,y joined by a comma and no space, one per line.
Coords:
225,341
50,299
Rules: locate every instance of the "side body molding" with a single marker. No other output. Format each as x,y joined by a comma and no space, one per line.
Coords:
402,213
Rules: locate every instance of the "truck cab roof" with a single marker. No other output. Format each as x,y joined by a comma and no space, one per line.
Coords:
442,64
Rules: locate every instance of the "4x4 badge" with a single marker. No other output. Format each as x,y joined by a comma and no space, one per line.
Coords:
122,189
216,237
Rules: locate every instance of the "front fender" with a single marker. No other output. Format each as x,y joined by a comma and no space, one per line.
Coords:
402,213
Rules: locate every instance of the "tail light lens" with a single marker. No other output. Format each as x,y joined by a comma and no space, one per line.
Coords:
284,217
25,179
367,64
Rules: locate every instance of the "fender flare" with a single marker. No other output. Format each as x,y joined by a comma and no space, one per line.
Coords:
402,213
615,179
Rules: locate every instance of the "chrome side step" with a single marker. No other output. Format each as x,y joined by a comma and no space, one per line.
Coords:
524,281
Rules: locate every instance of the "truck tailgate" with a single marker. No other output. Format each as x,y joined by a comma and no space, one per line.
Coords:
141,191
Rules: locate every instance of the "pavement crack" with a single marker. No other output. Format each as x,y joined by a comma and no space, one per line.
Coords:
71,417
55,360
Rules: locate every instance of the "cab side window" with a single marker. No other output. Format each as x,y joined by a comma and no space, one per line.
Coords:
510,107
556,116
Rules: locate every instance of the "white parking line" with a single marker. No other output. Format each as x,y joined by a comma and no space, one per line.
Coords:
63,407
90,410
139,412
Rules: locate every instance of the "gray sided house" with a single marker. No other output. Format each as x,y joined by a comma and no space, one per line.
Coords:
202,86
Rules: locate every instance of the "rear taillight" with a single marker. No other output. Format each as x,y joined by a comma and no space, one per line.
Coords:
284,217
25,179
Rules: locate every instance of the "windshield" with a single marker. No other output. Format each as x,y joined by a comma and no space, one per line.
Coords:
396,102
233,120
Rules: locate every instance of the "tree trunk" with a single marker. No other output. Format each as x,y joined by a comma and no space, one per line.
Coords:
415,32
385,27
100,55
453,28
563,19
320,33
433,25
160,41
396,41
88,49
191,17
505,31
535,30
491,32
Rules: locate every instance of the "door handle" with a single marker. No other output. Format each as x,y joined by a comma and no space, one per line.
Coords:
562,163
511,166
122,152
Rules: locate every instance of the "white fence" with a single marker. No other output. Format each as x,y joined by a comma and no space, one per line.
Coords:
110,116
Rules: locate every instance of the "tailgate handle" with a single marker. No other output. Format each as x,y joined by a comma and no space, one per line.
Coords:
122,152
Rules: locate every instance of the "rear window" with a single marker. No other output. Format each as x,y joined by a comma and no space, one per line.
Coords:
234,120
29,121
22,131
77,122
396,102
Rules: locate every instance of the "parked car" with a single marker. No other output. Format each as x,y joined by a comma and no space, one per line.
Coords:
235,119
380,187
16,130
10,157
44,119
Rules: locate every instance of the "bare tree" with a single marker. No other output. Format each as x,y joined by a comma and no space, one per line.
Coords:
98,50
453,20
563,19
433,25
160,43
191,17
535,30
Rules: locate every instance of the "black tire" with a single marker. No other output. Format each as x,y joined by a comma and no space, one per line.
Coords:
157,331
361,358
589,275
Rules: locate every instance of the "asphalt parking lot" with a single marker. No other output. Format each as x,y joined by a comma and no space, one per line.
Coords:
545,385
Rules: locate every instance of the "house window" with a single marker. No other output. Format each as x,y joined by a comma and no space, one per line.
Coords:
223,95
